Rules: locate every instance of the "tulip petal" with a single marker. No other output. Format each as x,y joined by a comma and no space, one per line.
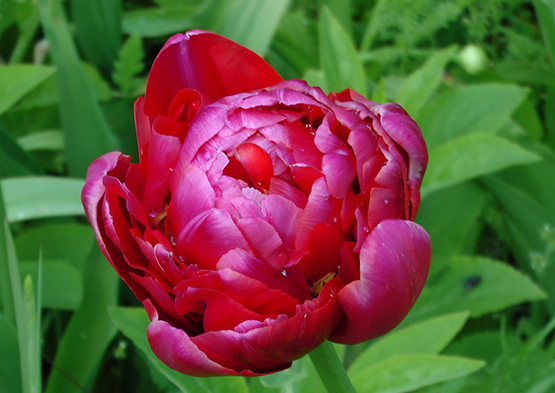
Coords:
394,263
272,345
142,125
173,347
339,170
191,195
207,237
264,241
290,280
211,64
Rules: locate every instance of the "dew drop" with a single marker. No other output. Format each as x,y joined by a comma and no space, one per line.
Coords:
172,240
284,273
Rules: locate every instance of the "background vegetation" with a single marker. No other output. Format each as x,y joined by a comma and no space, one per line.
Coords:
478,77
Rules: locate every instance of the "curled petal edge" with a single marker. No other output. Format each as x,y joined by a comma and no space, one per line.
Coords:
394,263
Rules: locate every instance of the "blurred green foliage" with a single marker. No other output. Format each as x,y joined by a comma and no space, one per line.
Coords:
478,77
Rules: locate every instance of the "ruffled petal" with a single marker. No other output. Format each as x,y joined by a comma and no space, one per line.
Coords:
290,280
394,263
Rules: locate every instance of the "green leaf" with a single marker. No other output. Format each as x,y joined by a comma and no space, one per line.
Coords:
408,372
422,83
471,109
527,117
14,161
480,285
6,285
294,45
89,331
252,23
10,372
338,56
27,329
62,285
86,132
506,369
545,12
98,28
133,323
471,156
18,80
32,304
158,22
129,64
42,140
28,198
47,94
427,337
439,213
68,243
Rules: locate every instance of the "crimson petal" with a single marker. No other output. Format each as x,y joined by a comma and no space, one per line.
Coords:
394,262
211,64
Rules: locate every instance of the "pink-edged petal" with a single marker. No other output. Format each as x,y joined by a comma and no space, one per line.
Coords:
264,241
339,170
290,280
204,126
191,195
394,262
406,134
142,125
157,167
284,216
211,64
273,344
320,208
176,350
207,237
211,293
282,188
325,140
161,302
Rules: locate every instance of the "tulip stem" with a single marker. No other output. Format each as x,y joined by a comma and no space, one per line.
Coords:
330,370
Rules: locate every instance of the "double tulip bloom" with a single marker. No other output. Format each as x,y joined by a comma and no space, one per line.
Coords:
264,216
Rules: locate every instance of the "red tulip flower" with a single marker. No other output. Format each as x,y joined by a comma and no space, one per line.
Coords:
264,216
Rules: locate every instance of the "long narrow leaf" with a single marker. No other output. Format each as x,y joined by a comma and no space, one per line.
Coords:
30,379
98,25
86,132
253,23
33,197
338,56
5,282
90,330
10,371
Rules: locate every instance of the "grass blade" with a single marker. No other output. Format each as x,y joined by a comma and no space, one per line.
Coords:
86,131
89,331
98,25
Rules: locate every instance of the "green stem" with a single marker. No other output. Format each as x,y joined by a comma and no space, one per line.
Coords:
330,370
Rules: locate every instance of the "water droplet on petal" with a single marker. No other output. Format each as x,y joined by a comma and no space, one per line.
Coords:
284,273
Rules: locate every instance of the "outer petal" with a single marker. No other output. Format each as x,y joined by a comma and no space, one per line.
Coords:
394,263
211,64
177,351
